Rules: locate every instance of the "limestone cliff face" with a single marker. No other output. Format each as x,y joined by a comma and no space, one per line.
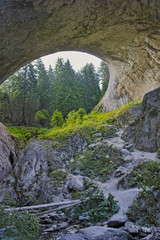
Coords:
124,33
8,156
144,131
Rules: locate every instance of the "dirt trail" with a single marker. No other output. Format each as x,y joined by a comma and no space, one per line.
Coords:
133,157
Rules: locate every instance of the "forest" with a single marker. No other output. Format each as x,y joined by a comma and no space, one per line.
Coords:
33,94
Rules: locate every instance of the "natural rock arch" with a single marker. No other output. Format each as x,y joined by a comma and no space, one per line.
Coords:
125,33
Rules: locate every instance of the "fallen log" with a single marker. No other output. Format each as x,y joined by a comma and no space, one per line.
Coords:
43,206
56,209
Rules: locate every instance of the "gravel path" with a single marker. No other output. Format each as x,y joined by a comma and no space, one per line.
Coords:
132,157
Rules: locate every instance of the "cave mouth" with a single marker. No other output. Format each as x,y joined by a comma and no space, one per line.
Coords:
63,81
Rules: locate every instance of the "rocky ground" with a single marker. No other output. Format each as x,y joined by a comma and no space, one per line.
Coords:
117,227
35,174
47,171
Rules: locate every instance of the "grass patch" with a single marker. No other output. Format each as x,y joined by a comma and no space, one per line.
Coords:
99,163
90,124
86,126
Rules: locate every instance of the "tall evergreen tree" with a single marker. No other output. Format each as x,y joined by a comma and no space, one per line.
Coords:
104,76
32,94
90,85
43,85
68,92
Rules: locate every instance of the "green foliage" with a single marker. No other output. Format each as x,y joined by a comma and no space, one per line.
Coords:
42,117
90,124
39,115
104,76
59,176
145,175
21,226
57,119
99,163
145,209
33,89
94,207
22,133
89,81
75,117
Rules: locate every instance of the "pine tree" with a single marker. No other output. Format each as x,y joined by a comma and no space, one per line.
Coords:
90,85
104,76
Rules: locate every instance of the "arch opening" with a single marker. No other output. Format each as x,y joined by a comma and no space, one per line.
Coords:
113,30
65,82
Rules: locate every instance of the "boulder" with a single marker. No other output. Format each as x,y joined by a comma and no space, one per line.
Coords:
145,135
78,236
36,163
105,233
117,220
40,171
75,182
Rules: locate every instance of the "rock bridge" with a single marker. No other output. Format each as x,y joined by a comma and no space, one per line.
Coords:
124,33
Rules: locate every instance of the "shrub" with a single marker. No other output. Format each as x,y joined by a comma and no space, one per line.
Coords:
21,226
144,175
57,119
94,207
42,117
75,117
145,209
100,162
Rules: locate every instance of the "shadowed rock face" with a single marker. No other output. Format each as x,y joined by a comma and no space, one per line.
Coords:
144,132
124,33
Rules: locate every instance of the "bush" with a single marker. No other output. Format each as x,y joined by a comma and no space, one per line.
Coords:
42,117
21,226
57,119
145,209
145,175
100,162
75,117
94,207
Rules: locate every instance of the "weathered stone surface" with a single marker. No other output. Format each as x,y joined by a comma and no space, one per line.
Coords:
76,237
8,156
145,135
124,33
117,220
75,182
40,171
104,233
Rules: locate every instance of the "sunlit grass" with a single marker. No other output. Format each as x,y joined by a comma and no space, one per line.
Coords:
87,126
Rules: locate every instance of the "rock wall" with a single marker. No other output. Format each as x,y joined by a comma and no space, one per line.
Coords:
8,156
124,33
144,131
41,169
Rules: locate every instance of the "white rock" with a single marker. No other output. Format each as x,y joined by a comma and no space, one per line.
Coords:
75,182
129,159
125,152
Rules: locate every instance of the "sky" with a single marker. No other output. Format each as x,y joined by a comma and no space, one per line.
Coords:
77,59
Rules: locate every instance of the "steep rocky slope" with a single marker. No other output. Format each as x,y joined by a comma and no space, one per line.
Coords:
8,157
124,33
144,130
52,171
